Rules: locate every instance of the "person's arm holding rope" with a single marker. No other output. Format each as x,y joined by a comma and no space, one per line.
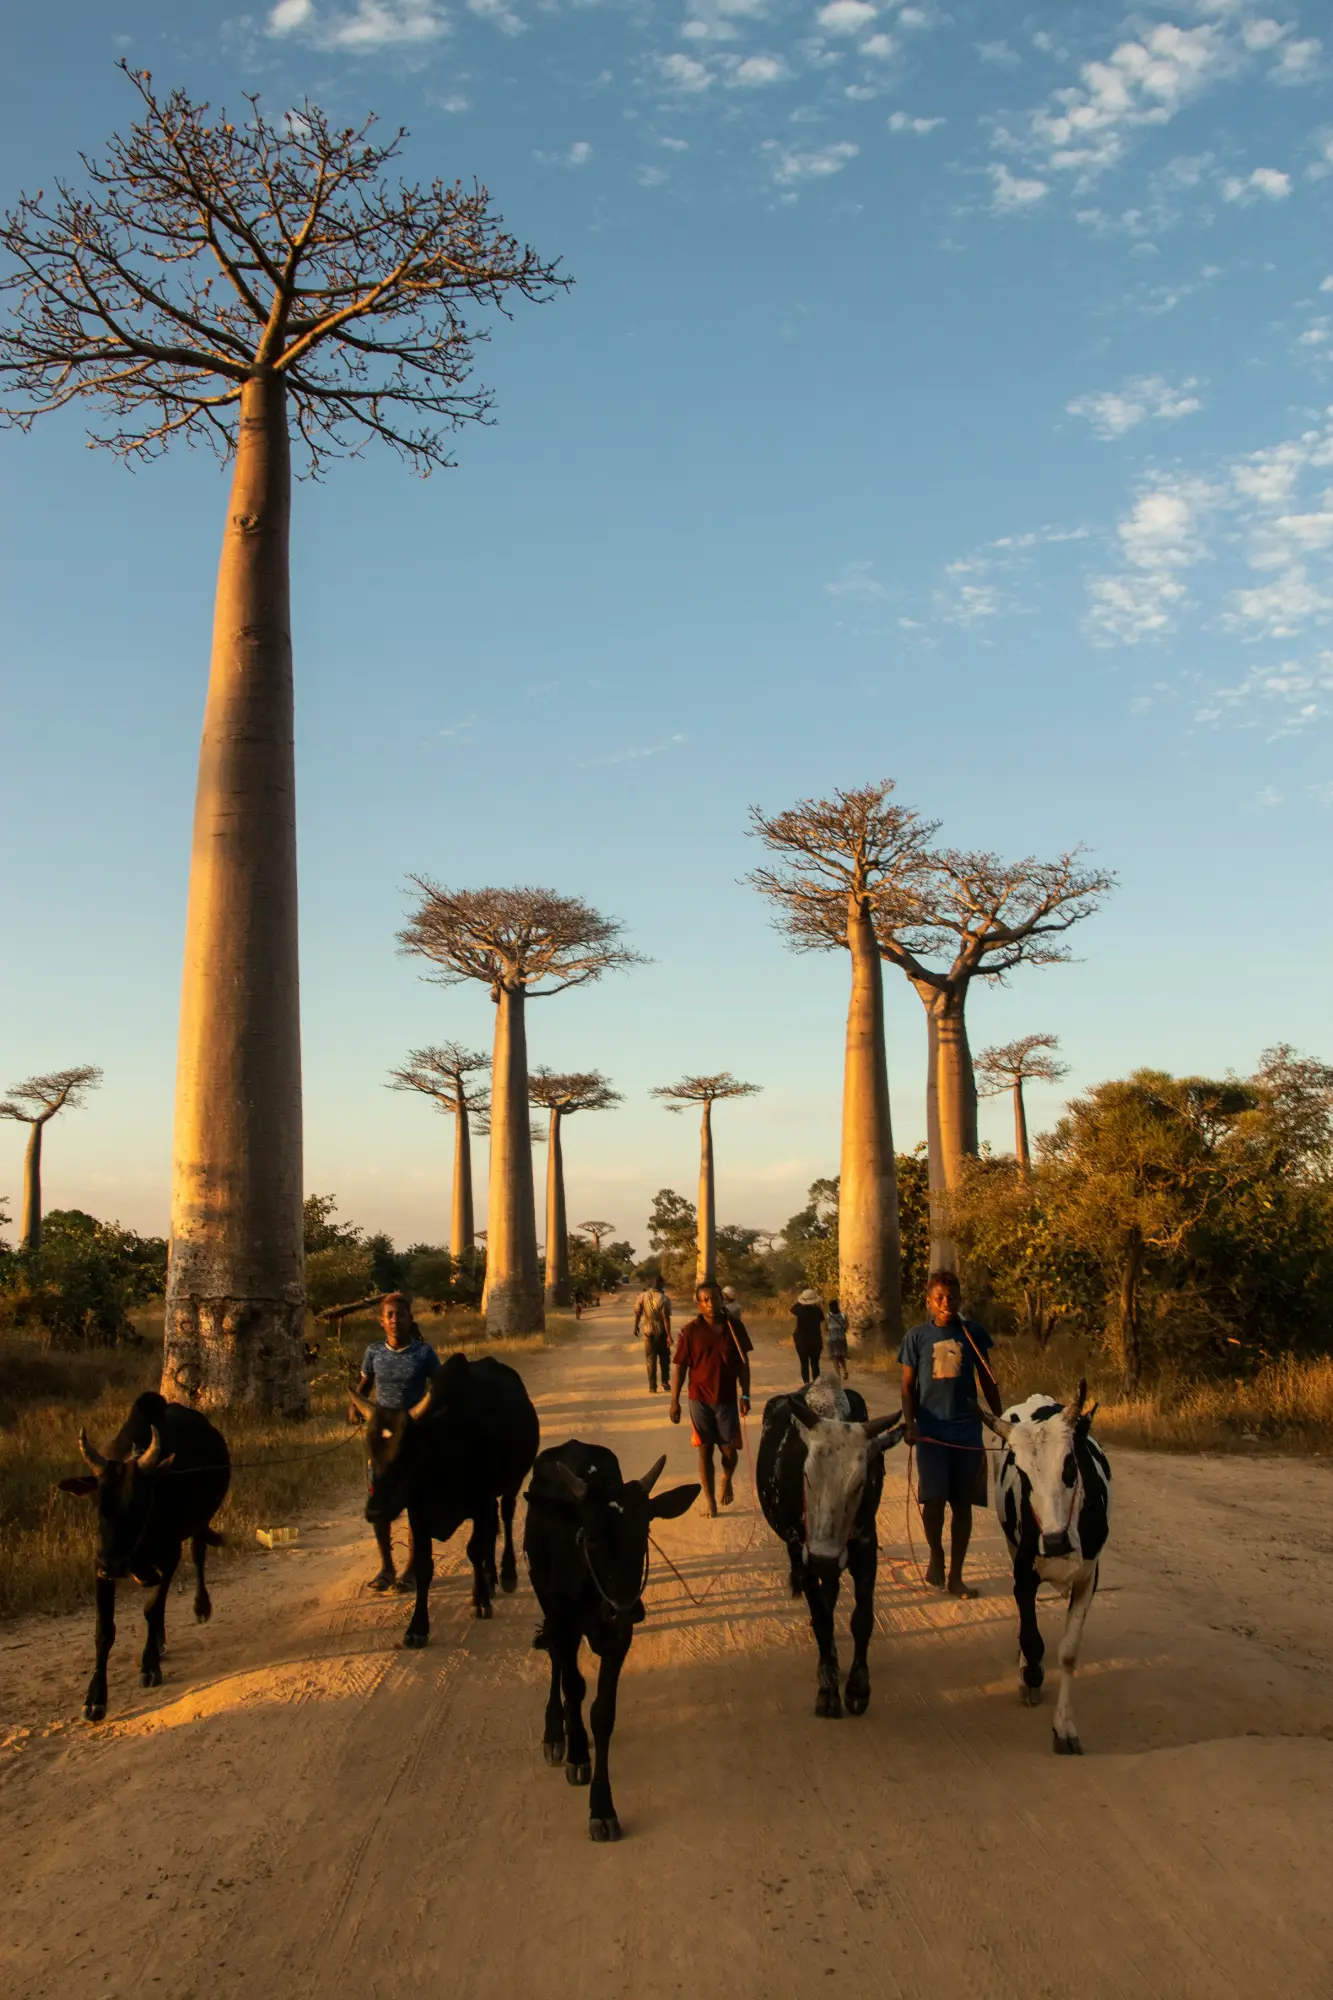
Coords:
909,1403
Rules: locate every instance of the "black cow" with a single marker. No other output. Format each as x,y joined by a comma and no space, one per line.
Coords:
820,1473
467,1444
161,1483
1053,1499
586,1544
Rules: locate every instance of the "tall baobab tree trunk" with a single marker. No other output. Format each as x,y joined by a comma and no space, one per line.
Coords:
951,1108
513,1277
236,1284
1022,1151
31,1238
559,1285
869,1250
706,1259
462,1222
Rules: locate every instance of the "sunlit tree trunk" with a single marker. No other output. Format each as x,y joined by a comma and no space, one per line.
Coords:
706,1258
1021,1150
951,1108
31,1238
236,1285
869,1252
462,1222
559,1286
513,1271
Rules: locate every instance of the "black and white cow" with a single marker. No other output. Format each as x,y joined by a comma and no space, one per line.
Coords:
466,1446
1053,1499
160,1484
820,1473
586,1542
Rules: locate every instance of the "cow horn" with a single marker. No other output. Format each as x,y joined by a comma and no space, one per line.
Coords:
806,1418
151,1452
1079,1400
578,1487
89,1453
421,1409
878,1425
359,1403
653,1474
996,1424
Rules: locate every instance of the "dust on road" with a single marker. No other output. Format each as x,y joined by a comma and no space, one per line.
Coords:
303,1808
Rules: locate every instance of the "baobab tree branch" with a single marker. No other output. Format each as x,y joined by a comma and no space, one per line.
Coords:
578,1090
703,1090
39,1098
508,939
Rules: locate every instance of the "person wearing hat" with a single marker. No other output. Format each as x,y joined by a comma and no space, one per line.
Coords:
731,1305
808,1338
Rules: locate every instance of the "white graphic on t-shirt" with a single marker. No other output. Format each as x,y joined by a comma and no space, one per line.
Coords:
946,1363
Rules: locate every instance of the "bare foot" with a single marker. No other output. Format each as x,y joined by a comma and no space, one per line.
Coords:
935,1573
957,1588
725,1496
710,1509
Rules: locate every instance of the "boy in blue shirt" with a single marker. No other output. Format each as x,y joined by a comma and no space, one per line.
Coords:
397,1372
943,1361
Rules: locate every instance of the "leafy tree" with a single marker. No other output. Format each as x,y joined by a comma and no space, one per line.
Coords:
34,1104
673,1229
705,1091
87,1278
444,1074
235,282
319,1230
1031,1059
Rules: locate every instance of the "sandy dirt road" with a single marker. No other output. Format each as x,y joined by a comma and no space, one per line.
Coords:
305,1809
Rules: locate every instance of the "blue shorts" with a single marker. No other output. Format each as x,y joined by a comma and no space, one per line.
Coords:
947,1472
716,1423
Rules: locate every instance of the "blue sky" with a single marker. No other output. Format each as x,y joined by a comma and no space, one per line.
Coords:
945,394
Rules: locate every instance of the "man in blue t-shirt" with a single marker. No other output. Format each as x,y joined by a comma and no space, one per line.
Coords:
396,1372
944,1360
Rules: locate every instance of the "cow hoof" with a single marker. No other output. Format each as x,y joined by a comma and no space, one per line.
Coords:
414,1641
202,1613
858,1700
1030,1697
554,1751
828,1704
578,1774
94,1711
150,1677
1066,1746
481,1611
509,1581
604,1829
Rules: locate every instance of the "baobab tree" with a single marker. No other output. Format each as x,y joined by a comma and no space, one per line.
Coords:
34,1104
562,1096
445,1074
524,944
839,860
705,1091
1008,1067
597,1230
981,917
234,283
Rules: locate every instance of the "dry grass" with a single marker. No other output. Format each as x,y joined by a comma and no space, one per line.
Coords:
47,1537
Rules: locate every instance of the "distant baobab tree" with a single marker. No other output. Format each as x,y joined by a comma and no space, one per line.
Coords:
597,1230
1030,1059
34,1104
524,944
563,1095
235,282
838,859
705,1091
982,917
444,1073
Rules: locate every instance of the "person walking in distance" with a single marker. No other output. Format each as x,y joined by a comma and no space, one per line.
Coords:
943,1360
808,1338
652,1321
713,1357
835,1340
396,1371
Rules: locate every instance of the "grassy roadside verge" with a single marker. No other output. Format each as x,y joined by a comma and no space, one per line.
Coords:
47,1538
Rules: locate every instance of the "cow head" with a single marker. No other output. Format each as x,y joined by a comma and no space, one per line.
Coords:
125,1490
838,1457
1041,1435
390,1454
613,1529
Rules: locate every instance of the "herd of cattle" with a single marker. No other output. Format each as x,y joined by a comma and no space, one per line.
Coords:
463,1453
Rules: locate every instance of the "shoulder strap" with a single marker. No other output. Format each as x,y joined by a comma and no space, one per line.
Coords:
975,1349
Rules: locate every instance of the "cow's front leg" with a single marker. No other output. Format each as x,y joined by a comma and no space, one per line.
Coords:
863,1562
508,1566
155,1618
602,1821
481,1554
1065,1732
1031,1645
423,1569
821,1594
565,1649
94,1702
796,1568
553,1734
203,1603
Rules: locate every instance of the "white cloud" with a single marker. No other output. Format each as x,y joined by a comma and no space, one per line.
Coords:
902,121
856,581
1264,184
684,73
634,753
1160,536
1112,412
289,15
1267,797
878,47
1283,607
1145,81
1298,62
578,155
846,17
651,177
1012,193
1262,34
791,167
757,71
371,25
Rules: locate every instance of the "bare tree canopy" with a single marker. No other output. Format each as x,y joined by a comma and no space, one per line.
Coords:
854,844
517,940
1028,1060
40,1097
984,916
703,1090
597,1230
442,1073
577,1090
202,252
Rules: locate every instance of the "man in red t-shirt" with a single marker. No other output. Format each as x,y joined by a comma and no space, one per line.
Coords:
714,1351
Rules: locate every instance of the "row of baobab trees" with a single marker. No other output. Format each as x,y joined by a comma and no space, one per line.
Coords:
262,284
